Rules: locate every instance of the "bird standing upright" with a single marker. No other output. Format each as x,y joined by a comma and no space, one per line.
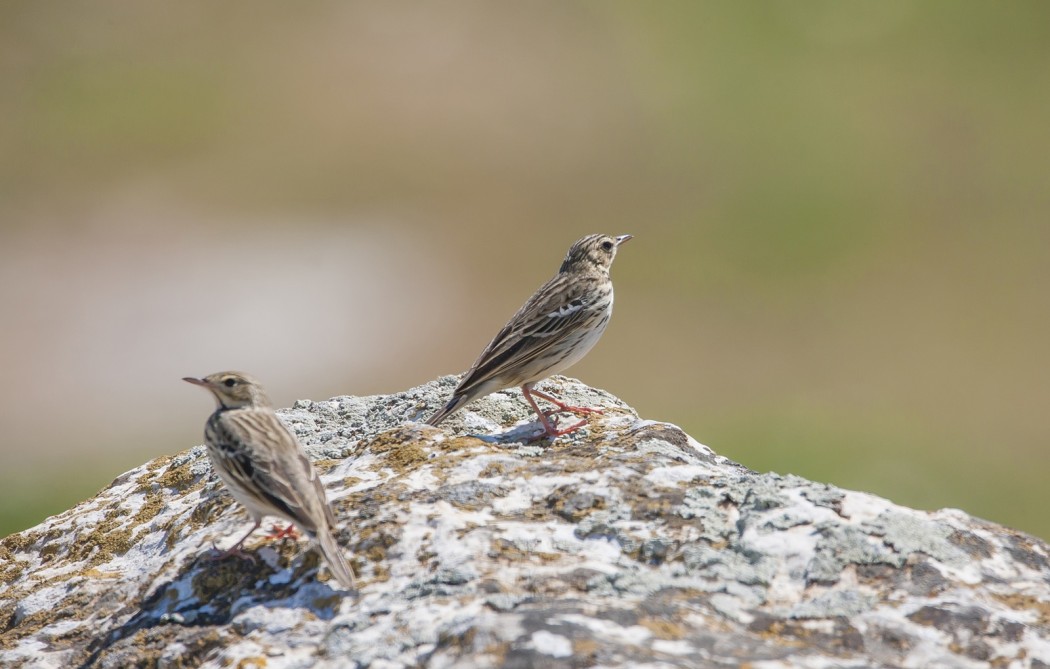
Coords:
265,467
553,330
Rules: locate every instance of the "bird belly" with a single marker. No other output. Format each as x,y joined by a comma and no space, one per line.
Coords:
572,350
256,506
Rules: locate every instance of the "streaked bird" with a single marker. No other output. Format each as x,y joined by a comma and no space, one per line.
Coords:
553,330
265,467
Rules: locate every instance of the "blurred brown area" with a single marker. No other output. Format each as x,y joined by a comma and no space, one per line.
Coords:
842,249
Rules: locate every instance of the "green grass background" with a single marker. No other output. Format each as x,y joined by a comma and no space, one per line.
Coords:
841,210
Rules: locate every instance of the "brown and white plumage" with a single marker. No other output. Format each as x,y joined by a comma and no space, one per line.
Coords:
553,330
265,467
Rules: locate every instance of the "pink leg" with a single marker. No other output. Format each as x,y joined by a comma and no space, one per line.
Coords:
551,429
277,532
562,406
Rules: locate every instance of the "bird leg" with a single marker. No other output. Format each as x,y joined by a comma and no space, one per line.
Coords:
277,532
568,408
551,429
235,550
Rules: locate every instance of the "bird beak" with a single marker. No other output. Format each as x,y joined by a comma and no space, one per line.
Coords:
196,382
623,238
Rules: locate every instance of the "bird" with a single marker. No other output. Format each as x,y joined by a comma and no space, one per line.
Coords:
265,467
553,330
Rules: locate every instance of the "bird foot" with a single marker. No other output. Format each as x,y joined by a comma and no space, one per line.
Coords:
277,532
554,431
218,555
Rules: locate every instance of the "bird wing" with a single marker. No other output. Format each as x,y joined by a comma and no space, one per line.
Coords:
559,308
264,454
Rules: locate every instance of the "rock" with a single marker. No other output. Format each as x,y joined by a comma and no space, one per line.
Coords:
626,544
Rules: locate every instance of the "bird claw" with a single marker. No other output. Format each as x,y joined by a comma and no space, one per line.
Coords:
277,532
553,431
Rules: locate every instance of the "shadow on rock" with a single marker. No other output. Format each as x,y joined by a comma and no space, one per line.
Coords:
213,588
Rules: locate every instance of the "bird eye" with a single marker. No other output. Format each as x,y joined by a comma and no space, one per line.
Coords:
230,382
607,245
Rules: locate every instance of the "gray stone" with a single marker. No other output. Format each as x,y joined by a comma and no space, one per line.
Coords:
625,544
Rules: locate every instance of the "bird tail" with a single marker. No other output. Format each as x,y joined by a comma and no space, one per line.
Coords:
452,406
337,564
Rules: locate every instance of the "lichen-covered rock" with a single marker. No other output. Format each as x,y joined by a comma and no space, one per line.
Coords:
625,544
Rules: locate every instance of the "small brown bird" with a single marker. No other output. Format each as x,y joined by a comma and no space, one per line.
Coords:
552,331
265,467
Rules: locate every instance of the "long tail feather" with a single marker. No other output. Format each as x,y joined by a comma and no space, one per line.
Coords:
452,406
337,564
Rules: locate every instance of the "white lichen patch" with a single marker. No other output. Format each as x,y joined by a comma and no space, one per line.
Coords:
555,645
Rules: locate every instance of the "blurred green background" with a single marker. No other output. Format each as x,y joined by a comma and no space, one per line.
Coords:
841,211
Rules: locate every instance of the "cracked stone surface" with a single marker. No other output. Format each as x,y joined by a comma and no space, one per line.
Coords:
625,544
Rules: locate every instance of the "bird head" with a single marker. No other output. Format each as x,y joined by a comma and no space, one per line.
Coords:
592,252
233,390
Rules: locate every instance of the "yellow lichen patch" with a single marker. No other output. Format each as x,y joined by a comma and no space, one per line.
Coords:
492,470
225,575
468,527
1001,661
151,644
11,569
311,560
1019,602
781,633
571,460
95,573
73,607
501,548
585,650
368,502
173,534
464,641
17,542
149,509
498,652
380,574
656,507
407,457
375,553
568,503
104,541
324,465
211,507
331,602
663,628
257,662
372,542
177,478
199,516
459,444
400,447
389,440
28,626
424,556
49,550
145,481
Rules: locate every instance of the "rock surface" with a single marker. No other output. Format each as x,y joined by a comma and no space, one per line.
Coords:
625,544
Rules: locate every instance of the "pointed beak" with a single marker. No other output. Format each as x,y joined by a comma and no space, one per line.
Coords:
622,238
196,382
